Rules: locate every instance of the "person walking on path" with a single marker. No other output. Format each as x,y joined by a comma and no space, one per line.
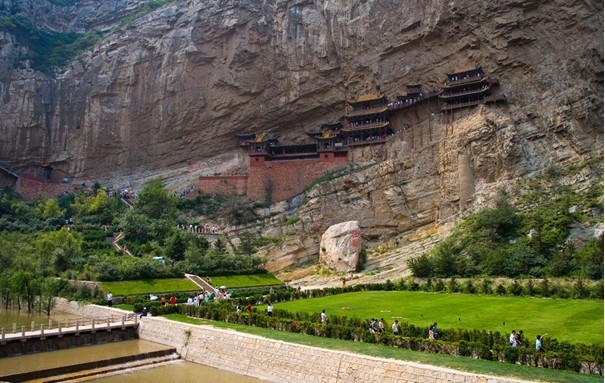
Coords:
110,299
435,330
249,309
269,309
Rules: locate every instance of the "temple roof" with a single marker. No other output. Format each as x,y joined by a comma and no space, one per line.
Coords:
463,71
366,97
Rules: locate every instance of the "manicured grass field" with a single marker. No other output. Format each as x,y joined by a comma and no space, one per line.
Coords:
173,285
240,281
450,361
155,286
575,321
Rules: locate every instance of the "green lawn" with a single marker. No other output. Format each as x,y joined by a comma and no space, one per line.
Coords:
173,285
156,286
240,281
449,361
567,320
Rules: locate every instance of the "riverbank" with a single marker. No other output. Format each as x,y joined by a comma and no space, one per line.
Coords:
278,361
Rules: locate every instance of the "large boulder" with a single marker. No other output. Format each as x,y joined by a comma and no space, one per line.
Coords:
340,247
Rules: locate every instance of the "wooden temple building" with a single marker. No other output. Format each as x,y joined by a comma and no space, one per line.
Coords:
466,88
278,171
367,120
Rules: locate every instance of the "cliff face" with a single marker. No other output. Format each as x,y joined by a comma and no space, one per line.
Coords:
174,86
169,91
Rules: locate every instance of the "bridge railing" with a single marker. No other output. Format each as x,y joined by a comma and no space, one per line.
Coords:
51,327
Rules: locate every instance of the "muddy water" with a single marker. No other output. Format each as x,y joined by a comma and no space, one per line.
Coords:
177,371
23,318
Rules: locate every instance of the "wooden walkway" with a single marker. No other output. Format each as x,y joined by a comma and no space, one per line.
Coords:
76,327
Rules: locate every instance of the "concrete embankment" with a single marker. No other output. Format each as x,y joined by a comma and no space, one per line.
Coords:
282,362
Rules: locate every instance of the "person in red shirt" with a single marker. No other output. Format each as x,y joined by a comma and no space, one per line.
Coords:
173,300
249,309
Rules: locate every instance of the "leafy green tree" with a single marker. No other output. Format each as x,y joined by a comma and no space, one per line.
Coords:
49,209
155,202
57,251
248,243
176,245
590,257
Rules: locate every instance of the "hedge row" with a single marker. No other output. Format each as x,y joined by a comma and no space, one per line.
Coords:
479,344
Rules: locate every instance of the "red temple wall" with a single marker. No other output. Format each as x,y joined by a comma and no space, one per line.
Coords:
223,185
287,179
32,188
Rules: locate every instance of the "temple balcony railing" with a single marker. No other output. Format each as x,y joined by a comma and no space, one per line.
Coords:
370,125
466,80
465,92
367,111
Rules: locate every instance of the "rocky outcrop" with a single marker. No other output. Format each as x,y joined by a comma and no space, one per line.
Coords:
340,247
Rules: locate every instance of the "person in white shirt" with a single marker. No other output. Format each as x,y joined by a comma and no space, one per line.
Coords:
324,317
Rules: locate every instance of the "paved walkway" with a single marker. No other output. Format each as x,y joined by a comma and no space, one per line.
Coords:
201,283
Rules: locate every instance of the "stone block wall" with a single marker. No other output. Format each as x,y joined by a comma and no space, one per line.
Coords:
277,361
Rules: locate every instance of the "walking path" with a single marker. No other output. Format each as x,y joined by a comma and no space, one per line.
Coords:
200,282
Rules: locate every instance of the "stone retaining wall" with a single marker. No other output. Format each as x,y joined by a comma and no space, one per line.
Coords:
281,362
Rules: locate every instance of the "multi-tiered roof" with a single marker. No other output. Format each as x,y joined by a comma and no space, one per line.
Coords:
367,120
468,87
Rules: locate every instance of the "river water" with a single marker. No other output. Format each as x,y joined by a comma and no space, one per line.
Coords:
176,371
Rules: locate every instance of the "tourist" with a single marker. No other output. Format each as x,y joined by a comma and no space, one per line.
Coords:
519,338
269,309
381,325
144,312
435,330
110,299
173,300
539,345
432,332
249,309
163,301
324,317
512,339
395,327
238,308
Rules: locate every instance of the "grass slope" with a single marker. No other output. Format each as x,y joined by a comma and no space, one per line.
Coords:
567,320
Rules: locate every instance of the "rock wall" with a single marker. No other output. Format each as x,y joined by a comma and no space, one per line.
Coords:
173,88
177,84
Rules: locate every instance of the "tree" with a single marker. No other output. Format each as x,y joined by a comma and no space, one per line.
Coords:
155,202
176,245
248,243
